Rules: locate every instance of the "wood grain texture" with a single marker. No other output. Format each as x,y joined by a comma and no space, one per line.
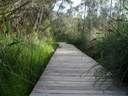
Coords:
70,72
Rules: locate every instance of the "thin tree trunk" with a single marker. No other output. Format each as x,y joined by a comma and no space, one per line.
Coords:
111,9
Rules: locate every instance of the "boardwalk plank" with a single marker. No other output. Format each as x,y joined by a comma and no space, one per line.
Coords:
68,74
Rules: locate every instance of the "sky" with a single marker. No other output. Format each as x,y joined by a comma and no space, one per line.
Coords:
76,2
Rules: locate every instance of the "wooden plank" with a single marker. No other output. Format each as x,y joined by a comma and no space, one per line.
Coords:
75,79
68,74
72,71
80,91
52,94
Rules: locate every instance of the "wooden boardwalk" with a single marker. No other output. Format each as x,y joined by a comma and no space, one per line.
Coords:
67,74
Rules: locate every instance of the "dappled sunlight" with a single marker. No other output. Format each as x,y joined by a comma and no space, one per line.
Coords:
67,52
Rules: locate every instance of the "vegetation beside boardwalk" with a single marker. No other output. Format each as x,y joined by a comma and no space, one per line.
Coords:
100,30
26,44
28,30
111,52
22,61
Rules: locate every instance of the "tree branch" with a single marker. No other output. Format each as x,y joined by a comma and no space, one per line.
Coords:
55,19
13,11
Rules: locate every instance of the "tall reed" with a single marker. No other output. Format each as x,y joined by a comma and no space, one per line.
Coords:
22,60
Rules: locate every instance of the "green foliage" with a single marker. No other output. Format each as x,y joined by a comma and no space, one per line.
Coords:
125,7
21,63
16,41
114,56
102,36
111,52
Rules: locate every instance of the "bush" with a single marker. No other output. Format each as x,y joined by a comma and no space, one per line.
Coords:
114,54
110,51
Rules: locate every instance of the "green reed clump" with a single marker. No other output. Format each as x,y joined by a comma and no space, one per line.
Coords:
110,51
113,50
22,61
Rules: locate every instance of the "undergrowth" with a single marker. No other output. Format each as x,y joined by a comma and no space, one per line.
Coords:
114,54
22,60
110,51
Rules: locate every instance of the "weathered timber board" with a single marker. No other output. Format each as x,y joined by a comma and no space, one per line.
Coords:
70,72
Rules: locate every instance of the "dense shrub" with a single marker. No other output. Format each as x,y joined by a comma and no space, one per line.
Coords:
110,51
114,54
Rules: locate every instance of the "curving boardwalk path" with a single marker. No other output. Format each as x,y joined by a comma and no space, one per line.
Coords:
67,74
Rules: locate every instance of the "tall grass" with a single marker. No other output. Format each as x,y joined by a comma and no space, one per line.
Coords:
114,53
22,61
